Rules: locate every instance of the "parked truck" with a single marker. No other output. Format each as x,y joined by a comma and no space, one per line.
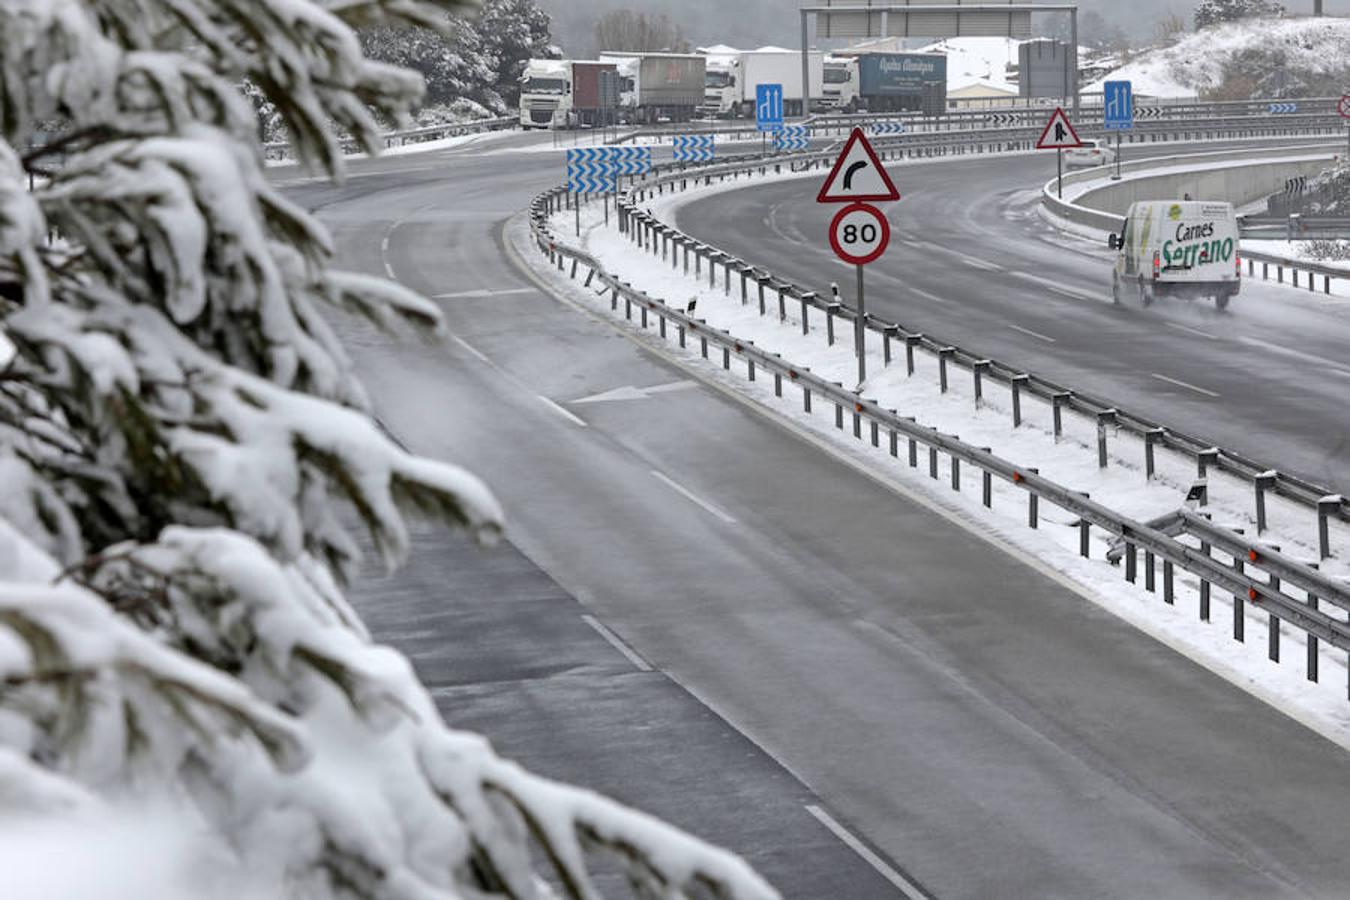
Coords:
903,82
659,87
840,90
568,93
767,65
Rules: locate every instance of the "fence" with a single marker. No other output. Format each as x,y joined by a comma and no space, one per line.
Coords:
281,149
1255,573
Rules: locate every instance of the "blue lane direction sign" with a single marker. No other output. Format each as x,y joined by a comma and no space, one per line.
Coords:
791,137
1117,105
694,147
768,107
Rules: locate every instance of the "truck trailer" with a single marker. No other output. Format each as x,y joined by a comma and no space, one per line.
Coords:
768,65
903,82
568,93
659,87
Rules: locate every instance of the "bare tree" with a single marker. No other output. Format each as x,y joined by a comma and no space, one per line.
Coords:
1169,29
624,29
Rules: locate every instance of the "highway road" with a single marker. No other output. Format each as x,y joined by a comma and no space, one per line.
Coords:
972,263
981,726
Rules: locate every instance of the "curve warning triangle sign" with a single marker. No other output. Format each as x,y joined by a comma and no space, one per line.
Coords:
1058,133
858,175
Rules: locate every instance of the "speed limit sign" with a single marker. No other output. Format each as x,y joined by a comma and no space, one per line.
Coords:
859,234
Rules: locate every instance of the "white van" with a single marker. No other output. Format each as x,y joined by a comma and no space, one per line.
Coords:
1178,248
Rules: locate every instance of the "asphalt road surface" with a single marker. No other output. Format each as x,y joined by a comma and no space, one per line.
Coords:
971,263
986,730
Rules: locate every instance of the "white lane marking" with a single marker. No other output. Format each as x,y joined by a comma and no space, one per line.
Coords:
565,413
906,887
927,296
1186,385
471,348
1055,286
483,292
1337,367
1035,334
693,498
973,261
617,643
1204,334
384,252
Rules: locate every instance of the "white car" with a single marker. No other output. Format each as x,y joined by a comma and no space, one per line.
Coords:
1092,153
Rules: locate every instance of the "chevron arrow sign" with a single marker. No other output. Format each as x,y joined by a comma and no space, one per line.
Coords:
584,184
791,137
1277,108
888,127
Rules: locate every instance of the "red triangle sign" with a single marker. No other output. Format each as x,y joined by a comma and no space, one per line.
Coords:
857,175
1058,133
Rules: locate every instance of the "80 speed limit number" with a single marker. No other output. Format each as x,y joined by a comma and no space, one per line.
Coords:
859,234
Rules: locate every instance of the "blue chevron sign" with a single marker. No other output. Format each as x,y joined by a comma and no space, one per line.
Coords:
887,127
590,154
585,184
1275,108
591,169
694,147
791,137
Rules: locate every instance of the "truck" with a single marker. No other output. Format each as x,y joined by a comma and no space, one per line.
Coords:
568,93
840,90
658,87
767,65
903,82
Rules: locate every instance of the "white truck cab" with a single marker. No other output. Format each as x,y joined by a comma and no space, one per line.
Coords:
1178,248
545,94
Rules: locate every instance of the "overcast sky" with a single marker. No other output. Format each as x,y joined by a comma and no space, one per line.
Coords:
753,23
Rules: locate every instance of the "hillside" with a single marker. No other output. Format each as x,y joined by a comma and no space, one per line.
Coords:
1254,58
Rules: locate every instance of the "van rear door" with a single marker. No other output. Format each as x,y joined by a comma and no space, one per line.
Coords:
1199,242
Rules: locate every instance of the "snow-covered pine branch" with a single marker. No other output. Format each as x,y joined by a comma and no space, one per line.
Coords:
180,432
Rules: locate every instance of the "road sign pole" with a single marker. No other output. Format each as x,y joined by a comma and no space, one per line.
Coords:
860,330
1059,157
577,205
1117,178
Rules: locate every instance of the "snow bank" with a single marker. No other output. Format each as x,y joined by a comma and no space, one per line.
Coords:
1195,64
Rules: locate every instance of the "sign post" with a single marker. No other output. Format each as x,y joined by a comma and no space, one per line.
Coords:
1117,112
859,233
768,112
1344,109
1059,136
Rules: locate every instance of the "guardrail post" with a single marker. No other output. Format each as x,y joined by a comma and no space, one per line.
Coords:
932,462
977,369
839,416
1311,639
686,256
1273,623
1084,532
806,302
987,484
1151,437
1131,562
760,281
1262,483
895,442
913,450
857,423
703,346
887,333
1149,575
1169,592
1204,588
943,354
750,369
681,328
1057,401
1033,504
726,281
644,318
806,399
698,263
831,310
1105,418
911,341
1206,458
1239,607
956,472
782,304
1326,508
726,357
1017,383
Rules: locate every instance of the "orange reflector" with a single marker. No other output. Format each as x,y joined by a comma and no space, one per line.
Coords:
1017,478
738,348
857,407
1253,555
1253,595
791,374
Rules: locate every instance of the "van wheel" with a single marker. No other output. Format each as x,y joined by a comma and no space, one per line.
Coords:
1115,288
1221,300
1145,293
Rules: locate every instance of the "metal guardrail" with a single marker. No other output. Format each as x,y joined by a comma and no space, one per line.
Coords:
1269,593
279,149
1295,227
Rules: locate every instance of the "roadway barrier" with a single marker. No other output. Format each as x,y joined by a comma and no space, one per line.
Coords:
1255,573
281,149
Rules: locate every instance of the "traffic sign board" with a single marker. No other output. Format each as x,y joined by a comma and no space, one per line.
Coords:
768,107
1344,107
859,234
1058,133
1117,105
857,175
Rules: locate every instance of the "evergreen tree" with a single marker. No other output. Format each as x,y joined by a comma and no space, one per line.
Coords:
179,428
1217,12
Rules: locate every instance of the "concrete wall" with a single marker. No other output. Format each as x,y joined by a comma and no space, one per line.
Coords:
1238,185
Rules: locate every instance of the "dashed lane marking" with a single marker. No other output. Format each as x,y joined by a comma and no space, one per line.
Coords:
1187,385
907,888
1036,334
693,498
617,643
1196,331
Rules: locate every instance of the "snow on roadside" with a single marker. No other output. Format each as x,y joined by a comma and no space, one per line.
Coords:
1072,462
1296,250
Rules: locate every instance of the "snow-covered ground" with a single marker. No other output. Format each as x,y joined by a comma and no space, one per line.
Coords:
1297,250
1071,461
1195,64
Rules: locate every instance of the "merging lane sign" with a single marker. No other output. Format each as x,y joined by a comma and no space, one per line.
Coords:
859,232
857,175
1059,136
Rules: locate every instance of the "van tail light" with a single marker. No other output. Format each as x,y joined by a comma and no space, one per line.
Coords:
1157,265
1237,264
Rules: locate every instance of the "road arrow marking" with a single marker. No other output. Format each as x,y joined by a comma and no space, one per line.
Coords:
636,393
